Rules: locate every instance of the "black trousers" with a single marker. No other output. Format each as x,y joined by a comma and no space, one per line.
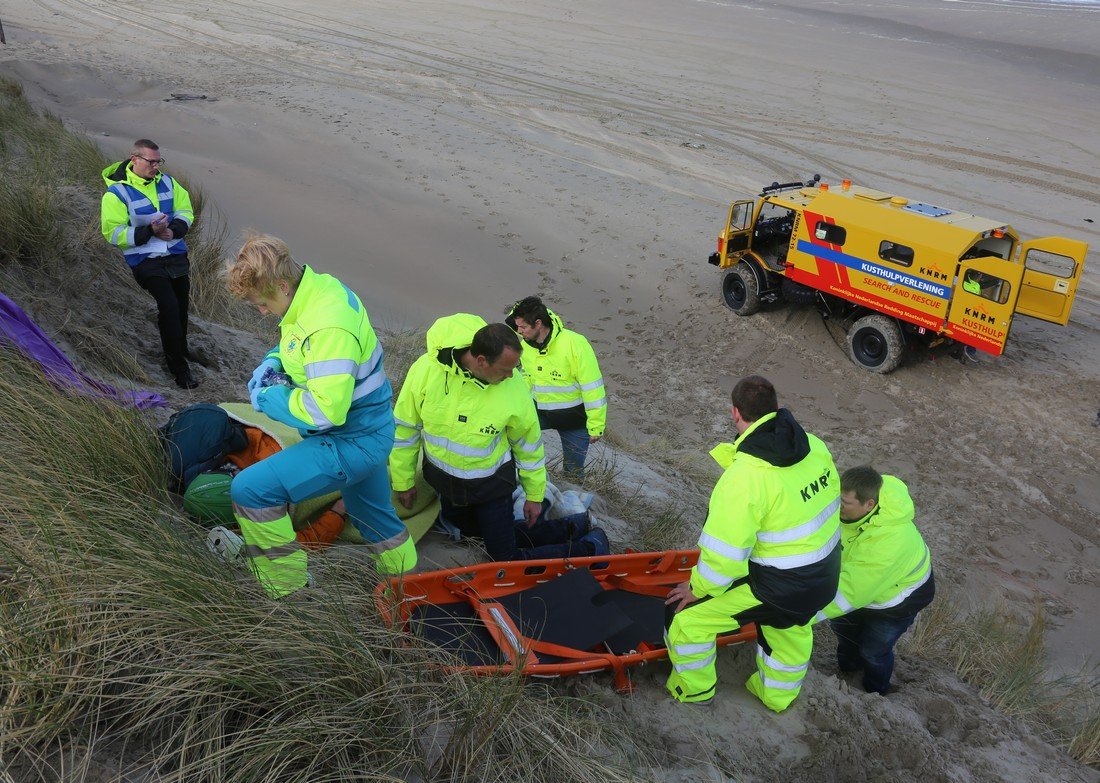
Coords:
172,295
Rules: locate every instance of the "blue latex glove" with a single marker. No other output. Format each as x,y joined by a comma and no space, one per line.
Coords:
255,395
272,378
258,374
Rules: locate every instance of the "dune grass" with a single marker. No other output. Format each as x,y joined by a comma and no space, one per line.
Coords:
116,624
119,633
1005,658
402,349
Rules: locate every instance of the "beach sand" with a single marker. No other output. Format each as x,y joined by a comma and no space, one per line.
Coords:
445,157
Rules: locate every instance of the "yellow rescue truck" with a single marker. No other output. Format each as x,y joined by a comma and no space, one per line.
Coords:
897,274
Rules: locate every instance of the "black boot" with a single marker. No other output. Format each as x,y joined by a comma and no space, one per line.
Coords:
184,379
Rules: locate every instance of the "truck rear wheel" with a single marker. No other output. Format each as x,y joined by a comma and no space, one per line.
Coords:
876,344
740,290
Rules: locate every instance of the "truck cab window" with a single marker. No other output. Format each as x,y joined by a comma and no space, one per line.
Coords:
1050,263
986,286
742,215
827,232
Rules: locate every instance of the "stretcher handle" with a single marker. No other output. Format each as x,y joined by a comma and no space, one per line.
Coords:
630,586
517,647
623,683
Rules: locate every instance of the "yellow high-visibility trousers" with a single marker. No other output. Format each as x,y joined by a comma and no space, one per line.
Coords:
782,654
271,549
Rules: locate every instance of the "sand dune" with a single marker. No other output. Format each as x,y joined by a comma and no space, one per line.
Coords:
455,156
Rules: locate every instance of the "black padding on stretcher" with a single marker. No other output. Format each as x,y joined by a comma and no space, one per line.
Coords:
563,611
647,615
457,629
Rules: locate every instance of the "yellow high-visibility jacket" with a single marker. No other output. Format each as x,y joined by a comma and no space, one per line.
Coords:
774,519
330,351
474,435
129,205
884,559
566,381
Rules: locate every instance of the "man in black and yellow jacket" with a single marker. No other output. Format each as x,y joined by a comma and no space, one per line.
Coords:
769,554
145,213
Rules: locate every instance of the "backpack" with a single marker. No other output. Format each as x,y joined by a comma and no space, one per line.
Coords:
196,439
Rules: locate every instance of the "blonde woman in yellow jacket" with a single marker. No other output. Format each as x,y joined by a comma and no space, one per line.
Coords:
325,378
885,575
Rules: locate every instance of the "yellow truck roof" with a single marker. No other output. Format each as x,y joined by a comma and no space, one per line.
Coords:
895,217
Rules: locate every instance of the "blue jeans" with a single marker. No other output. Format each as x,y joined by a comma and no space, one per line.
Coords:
865,640
574,449
505,539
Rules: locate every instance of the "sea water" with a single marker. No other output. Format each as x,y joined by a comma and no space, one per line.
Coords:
1037,4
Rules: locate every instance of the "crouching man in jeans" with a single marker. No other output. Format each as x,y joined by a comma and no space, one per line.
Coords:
885,576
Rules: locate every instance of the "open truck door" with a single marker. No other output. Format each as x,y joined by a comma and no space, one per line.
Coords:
983,302
735,237
1052,268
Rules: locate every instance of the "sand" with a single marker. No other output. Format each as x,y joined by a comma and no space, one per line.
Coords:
444,157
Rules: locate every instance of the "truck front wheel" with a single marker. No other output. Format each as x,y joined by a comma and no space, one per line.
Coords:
740,291
875,343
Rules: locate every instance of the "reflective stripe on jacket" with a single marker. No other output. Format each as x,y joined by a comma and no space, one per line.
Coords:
566,381
471,432
131,202
885,559
773,523
330,351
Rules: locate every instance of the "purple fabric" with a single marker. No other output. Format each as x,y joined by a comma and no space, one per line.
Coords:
17,330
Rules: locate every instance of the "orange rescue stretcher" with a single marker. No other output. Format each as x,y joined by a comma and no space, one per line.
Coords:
546,618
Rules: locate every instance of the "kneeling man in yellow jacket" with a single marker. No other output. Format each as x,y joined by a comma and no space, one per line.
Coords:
885,576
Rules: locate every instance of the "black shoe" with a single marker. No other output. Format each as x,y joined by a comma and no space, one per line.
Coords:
579,530
596,540
968,355
185,380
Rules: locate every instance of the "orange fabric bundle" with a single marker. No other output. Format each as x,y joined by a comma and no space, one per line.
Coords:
326,528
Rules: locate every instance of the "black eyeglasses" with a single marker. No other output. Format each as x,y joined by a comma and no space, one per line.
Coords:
151,162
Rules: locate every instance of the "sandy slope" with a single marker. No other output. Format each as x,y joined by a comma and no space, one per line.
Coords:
455,156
